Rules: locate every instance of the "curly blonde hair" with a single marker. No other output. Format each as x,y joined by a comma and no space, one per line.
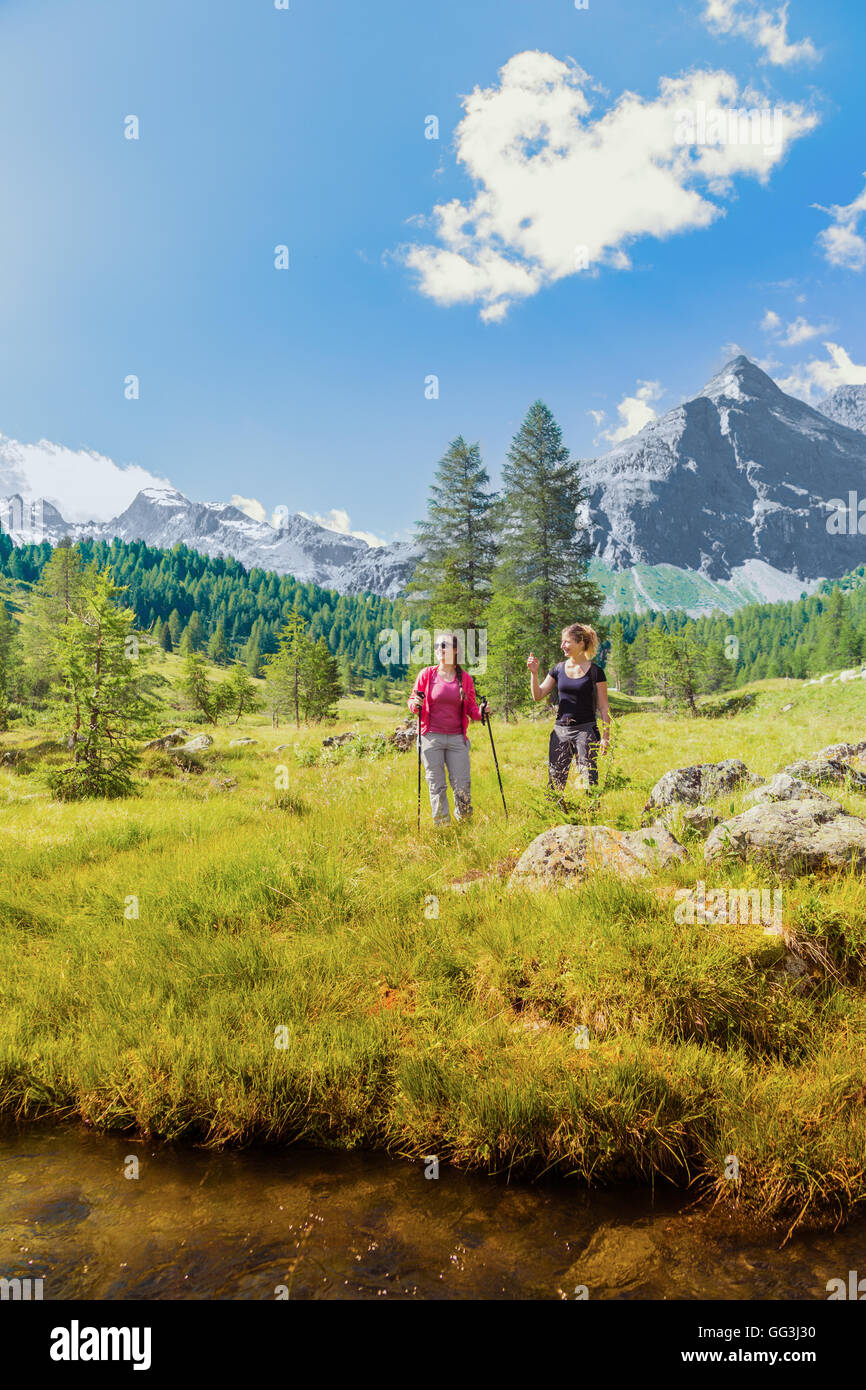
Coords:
582,632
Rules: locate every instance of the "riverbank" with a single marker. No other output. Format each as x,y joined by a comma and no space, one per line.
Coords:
299,1223
263,962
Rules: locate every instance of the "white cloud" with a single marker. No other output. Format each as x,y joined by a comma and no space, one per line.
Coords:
250,506
766,29
81,484
635,411
338,520
799,330
814,379
597,415
560,192
842,243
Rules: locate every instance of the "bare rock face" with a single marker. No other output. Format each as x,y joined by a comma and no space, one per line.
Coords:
695,785
557,855
784,787
826,770
792,836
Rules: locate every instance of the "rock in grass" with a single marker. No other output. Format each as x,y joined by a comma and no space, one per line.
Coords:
843,752
198,744
169,740
700,819
403,737
826,770
240,742
557,855
695,785
792,836
784,787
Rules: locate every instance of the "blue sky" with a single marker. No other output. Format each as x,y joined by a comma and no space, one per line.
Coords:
306,127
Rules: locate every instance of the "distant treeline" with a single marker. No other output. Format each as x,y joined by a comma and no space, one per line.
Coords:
193,601
804,637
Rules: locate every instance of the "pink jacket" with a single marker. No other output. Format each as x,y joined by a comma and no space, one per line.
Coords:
469,704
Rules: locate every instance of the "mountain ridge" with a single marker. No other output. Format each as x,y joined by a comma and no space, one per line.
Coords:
722,500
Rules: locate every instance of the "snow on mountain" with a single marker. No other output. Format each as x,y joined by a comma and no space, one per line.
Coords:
163,516
846,405
741,473
79,483
724,500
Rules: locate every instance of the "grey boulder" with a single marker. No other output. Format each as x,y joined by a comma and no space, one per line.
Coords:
825,770
784,787
557,855
700,783
792,836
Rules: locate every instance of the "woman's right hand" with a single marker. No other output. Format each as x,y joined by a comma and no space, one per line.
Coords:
415,702
532,664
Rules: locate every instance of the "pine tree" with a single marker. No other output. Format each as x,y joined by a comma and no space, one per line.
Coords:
322,687
238,694
196,685
545,549
621,661
7,654
284,669
175,627
104,696
253,657
217,648
458,539
195,632
674,668
719,670
507,679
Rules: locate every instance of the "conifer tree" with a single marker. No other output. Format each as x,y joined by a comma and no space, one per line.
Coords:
104,697
458,538
544,547
238,694
7,653
217,648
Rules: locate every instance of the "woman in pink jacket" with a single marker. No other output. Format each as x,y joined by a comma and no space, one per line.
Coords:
445,696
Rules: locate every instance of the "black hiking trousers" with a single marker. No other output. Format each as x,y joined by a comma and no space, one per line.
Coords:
567,741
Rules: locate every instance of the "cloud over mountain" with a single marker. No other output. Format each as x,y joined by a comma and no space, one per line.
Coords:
563,191
83,485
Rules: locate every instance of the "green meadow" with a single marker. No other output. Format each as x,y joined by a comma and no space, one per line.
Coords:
261,947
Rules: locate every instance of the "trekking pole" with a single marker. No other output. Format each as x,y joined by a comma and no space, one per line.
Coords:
421,698
485,719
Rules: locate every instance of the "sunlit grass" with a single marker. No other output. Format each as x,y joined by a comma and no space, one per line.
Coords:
154,951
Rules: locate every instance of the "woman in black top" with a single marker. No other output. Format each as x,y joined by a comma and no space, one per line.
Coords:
582,689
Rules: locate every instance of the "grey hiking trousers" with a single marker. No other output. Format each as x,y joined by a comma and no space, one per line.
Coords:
451,751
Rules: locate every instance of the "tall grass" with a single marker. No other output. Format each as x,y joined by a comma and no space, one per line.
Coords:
154,952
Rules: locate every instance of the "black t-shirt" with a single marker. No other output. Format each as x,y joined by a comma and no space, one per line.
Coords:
576,693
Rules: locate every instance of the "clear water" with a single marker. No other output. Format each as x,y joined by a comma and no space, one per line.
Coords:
260,1223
